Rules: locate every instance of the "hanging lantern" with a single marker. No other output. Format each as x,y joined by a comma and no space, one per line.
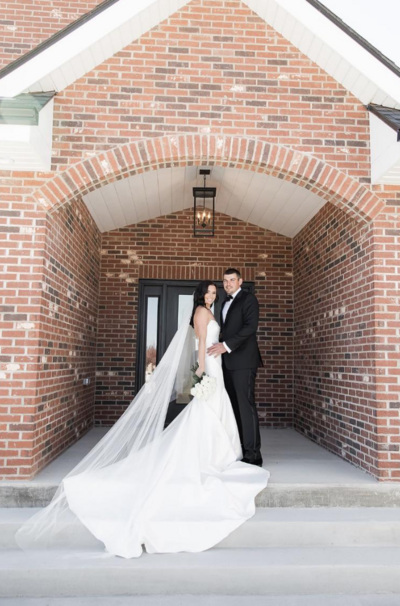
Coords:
204,208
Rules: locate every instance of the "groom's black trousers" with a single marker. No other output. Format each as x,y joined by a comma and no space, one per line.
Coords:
240,385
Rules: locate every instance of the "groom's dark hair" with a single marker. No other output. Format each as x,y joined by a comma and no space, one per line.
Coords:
232,270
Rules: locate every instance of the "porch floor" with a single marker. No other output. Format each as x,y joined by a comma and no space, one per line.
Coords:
303,474
289,456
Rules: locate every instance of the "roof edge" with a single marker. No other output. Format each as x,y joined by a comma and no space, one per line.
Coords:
376,110
56,37
355,36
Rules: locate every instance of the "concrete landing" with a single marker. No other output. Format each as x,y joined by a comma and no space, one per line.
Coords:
184,600
302,475
290,457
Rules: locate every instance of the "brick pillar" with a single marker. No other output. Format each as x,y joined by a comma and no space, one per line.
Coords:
48,306
22,236
387,334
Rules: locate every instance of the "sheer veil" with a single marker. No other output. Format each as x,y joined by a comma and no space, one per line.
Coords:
136,434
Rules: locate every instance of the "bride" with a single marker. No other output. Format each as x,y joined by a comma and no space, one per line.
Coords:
180,488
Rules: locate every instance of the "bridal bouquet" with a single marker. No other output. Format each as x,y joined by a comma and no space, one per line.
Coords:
204,386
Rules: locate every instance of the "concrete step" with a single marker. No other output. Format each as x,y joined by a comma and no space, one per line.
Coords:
275,527
371,494
320,527
273,571
212,600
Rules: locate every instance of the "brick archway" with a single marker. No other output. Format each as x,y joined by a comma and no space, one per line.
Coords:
235,152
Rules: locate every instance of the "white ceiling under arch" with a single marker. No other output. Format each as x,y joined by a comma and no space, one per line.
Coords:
271,203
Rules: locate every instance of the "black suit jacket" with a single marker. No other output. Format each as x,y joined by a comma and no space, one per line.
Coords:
239,333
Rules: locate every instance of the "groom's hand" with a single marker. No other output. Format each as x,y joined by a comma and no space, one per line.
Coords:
216,350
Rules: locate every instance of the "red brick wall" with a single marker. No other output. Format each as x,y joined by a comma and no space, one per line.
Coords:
68,335
26,23
50,313
22,237
387,330
165,248
334,387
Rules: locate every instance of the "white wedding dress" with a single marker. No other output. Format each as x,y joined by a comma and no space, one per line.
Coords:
198,492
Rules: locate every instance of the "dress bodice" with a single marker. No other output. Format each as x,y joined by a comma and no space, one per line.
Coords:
212,333
213,364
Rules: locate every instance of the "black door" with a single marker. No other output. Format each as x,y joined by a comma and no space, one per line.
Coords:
161,304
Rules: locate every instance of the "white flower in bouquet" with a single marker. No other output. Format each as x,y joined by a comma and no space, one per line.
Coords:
204,388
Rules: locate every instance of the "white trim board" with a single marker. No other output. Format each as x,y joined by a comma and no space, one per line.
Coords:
28,147
385,152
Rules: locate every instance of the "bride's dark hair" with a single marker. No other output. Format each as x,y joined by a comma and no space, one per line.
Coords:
199,294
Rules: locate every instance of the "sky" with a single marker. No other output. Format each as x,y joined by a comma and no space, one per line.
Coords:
376,20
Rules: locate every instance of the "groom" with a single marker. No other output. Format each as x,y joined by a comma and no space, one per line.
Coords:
240,360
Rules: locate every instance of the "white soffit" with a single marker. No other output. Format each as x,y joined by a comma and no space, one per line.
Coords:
87,46
263,200
28,147
385,152
332,49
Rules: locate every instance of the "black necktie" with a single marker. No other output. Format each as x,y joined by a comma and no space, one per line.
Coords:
229,298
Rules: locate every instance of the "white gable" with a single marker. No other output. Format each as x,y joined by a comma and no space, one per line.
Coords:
99,38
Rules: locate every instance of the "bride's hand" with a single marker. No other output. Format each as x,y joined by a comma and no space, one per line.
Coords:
199,372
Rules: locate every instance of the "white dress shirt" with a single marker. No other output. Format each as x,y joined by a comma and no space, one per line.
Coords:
225,312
